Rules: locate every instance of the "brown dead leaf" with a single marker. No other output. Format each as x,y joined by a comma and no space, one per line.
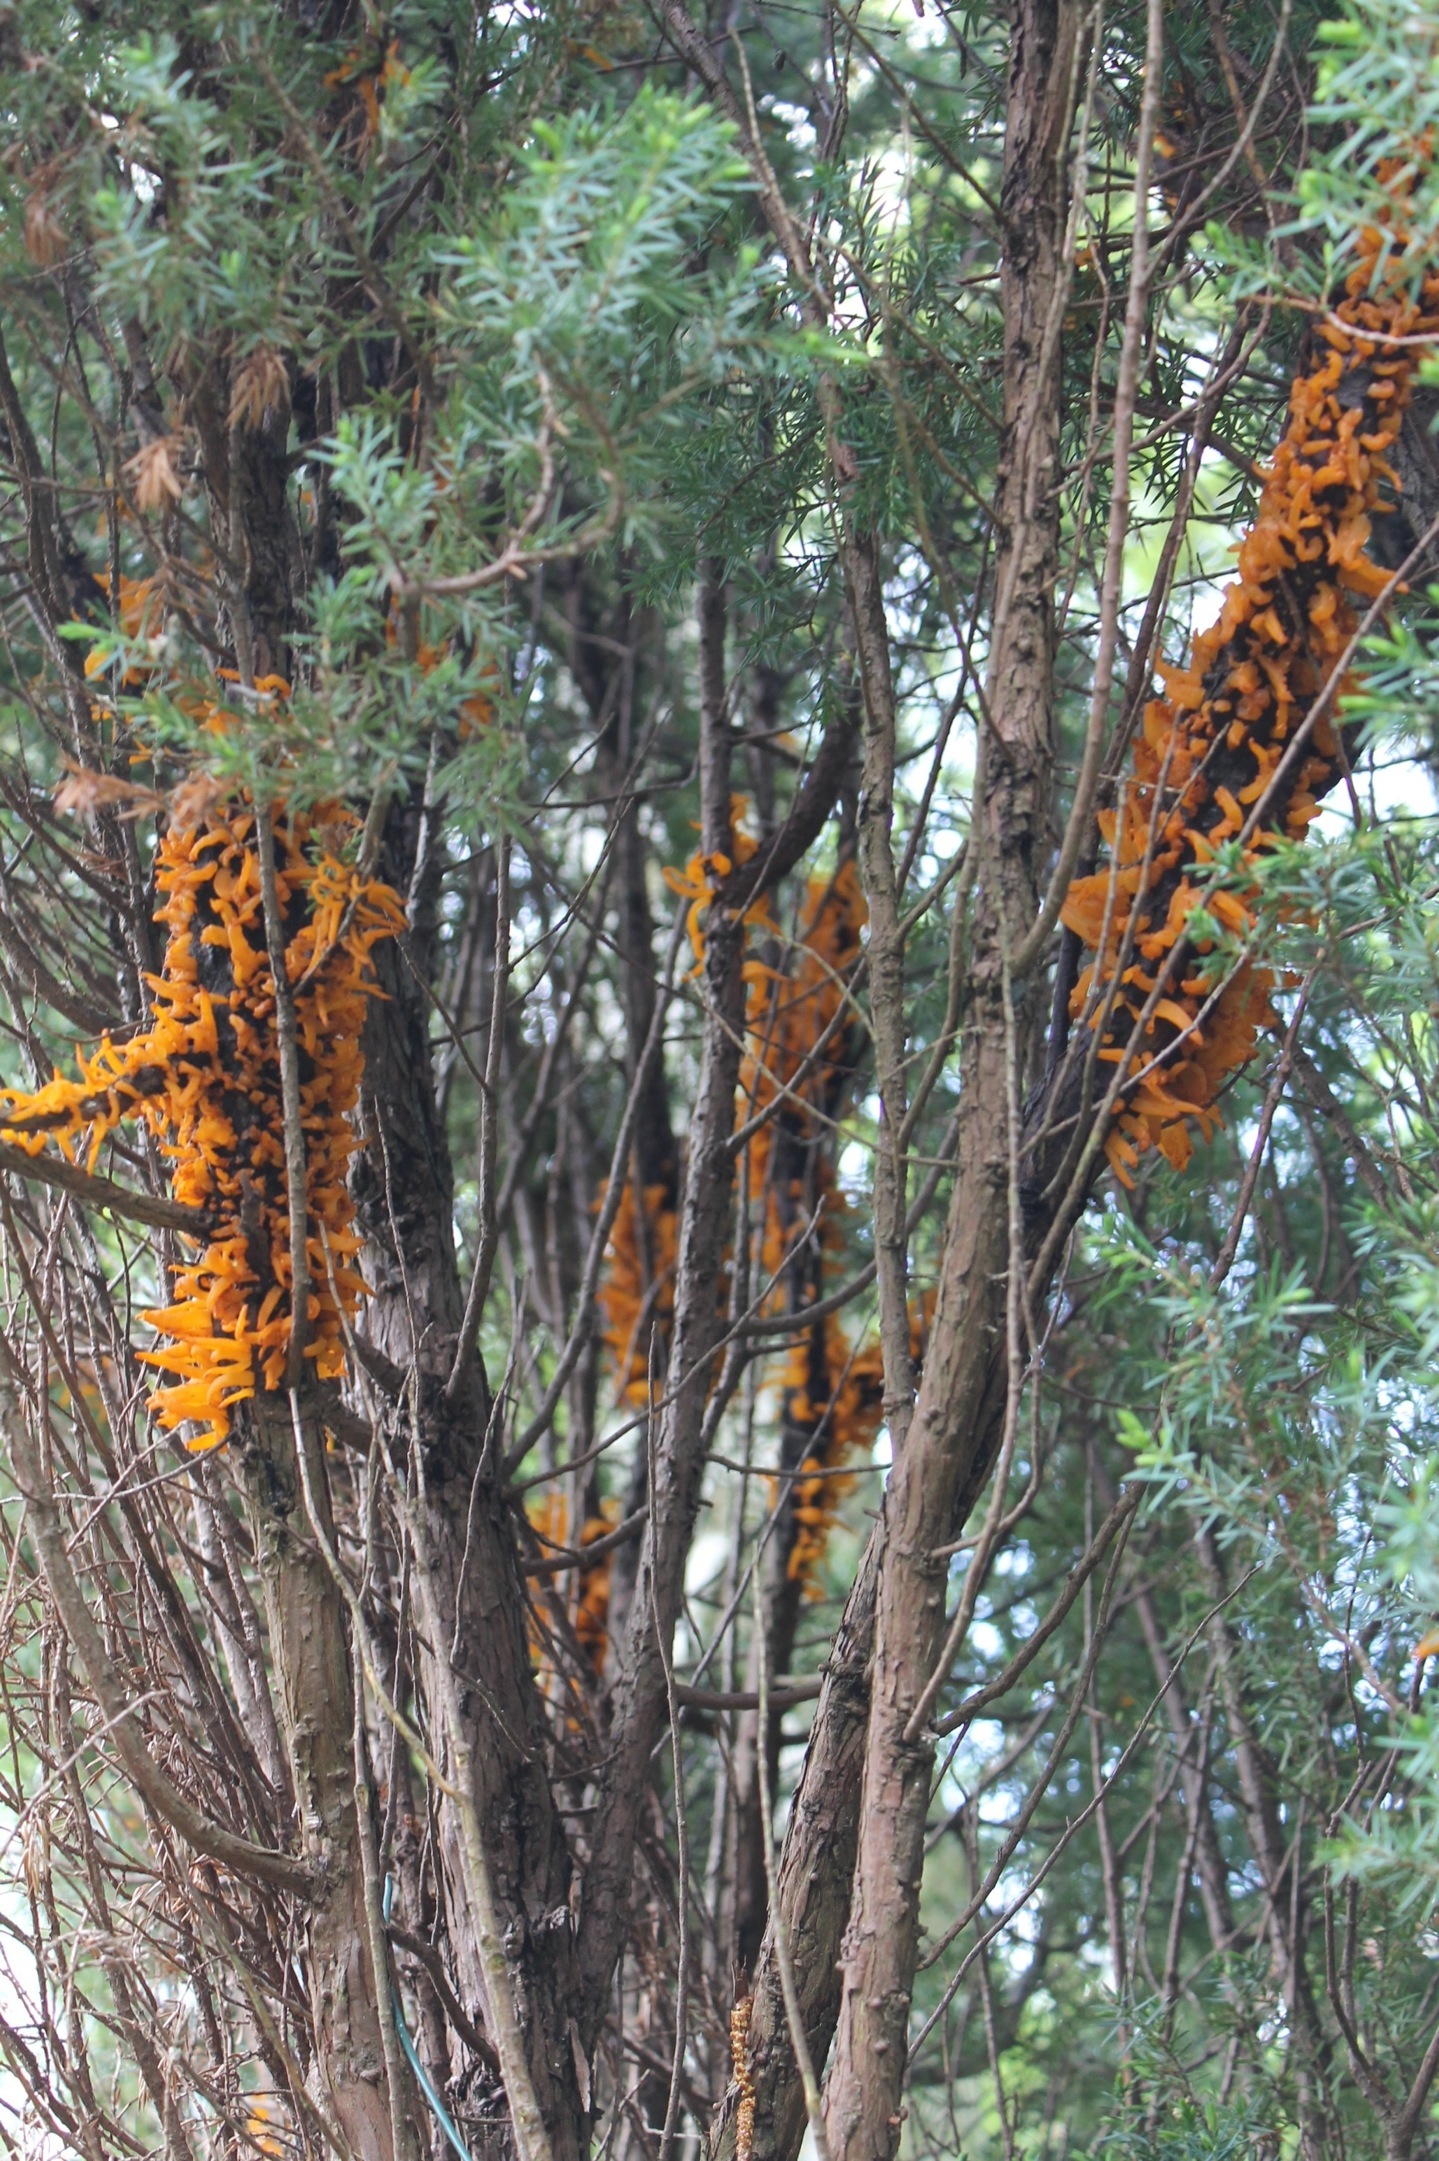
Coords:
46,240
152,473
261,386
82,792
196,796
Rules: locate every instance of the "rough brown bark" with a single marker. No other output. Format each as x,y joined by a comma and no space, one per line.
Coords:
815,1871
308,1631
863,2097
413,1321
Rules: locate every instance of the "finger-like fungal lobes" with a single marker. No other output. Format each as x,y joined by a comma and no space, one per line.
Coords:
1223,757
204,1077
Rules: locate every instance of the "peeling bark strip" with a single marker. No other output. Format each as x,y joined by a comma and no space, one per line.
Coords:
863,578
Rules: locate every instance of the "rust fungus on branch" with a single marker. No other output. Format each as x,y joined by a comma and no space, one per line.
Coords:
803,1044
204,1077
637,1293
835,1396
1216,753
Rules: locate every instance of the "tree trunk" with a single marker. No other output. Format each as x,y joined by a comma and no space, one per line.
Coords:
405,1208
863,2104
309,1634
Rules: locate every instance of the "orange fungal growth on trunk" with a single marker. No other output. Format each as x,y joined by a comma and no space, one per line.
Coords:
637,1292
592,1611
838,1396
704,874
803,1045
1219,759
204,1077
549,1517
739,2024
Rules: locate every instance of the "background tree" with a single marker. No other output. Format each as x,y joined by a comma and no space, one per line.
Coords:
718,1247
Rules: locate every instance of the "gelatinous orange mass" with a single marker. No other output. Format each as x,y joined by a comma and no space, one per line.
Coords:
1209,754
802,1046
549,1514
637,1290
204,1077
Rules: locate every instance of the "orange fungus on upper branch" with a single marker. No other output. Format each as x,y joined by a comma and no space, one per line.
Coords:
1217,751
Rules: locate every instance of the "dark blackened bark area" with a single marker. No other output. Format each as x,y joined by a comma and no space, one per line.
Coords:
271,571
403,1182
